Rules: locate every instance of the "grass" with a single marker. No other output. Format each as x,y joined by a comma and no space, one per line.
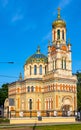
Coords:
52,127
60,127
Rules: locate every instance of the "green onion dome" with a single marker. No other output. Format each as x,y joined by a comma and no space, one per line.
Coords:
37,57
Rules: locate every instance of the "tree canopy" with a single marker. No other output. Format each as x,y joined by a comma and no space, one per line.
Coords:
78,90
3,93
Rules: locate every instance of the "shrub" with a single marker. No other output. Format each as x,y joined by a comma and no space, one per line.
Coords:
4,120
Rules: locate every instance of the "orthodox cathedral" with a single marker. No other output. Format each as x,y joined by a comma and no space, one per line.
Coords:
48,83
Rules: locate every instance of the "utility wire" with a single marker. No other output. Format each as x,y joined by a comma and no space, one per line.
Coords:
7,62
8,76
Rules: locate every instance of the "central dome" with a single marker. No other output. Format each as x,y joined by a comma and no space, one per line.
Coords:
37,57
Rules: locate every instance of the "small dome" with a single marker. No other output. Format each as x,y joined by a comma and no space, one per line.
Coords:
59,22
37,57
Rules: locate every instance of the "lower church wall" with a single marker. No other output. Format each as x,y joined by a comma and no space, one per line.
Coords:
43,120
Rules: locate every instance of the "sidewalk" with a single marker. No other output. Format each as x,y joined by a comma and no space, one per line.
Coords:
7,125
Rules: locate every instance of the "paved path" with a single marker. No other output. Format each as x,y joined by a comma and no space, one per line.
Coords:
28,126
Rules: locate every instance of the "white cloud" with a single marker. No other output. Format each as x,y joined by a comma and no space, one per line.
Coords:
5,3
62,4
30,26
17,17
47,37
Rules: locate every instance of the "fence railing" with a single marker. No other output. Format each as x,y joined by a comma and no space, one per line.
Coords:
43,113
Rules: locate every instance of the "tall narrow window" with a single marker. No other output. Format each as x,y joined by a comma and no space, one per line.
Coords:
54,35
35,70
48,88
54,64
58,34
32,89
56,101
18,103
49,104
45,69
40,69
63,34
30,104
46,104
38,104
28,88
63,63
0,113
30,70
23,103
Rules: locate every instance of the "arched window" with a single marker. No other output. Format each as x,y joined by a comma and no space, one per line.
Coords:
28,88
40,69
58,34
35,70
32,89
63,34
30,104
30,70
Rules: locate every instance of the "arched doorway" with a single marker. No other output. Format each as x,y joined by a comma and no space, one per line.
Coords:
67,105
6,108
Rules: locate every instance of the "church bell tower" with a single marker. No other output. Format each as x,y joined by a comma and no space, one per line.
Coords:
59,53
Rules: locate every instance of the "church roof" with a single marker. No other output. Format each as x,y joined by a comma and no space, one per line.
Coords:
37,57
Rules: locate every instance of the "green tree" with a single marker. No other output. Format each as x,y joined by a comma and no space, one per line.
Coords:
78,90
3,93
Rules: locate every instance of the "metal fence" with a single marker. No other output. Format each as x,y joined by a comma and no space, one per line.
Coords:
53,113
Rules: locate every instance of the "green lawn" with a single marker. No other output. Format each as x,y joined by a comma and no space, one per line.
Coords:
60,127
52,127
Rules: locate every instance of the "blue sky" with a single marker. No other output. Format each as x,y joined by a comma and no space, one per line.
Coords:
25,24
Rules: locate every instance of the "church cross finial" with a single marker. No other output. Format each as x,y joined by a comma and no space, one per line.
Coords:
20,76
68,40
58,13
48,42
38,50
